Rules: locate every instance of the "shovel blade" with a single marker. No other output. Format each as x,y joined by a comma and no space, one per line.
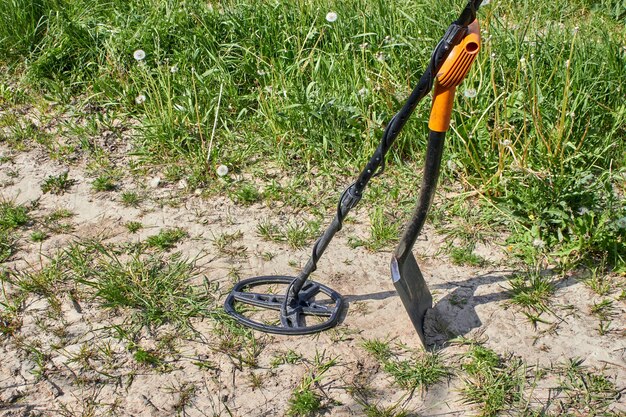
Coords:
413,291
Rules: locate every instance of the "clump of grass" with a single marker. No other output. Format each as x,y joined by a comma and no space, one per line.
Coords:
237,341
422,370
155,289
304,401
54,221
494,384
104,182
166,239
38,236
296,234
605,311
226,244
131,199
465,256
532,293
57,184
384,231
246,194
12,216
133,227
380,349
587,392
290,357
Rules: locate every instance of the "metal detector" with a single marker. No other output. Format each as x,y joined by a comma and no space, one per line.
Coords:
308,307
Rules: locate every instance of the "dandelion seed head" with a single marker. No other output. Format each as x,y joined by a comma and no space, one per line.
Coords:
380,57
139,55
140,99
583,210
174,69
363,92
470,92
538,243
621,223
331,17
222,170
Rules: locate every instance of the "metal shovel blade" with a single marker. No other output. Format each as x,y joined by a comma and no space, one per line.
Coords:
412,289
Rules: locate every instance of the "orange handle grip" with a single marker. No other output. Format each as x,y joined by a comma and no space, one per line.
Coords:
451,74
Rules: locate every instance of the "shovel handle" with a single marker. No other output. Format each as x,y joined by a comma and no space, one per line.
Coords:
449,76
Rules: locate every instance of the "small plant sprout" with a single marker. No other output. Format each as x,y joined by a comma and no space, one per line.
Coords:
222,170
331,17
139,55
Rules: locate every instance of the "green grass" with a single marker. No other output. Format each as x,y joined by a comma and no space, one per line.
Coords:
465,256
259,86
131,199
422,370
57,184
104,182
166,239
155,289
12,216
493,384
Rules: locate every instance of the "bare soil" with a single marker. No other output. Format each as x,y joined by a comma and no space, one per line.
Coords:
469,302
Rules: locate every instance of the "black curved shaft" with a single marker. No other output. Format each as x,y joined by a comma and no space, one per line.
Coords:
427,193
352,195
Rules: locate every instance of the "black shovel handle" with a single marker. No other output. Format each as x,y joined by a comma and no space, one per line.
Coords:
429,184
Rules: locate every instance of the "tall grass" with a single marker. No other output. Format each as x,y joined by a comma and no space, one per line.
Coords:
543,137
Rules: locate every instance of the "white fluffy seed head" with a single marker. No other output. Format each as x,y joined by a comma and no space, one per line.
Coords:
331,17
222,170
139,54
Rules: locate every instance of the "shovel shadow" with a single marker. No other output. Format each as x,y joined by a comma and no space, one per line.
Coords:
455,314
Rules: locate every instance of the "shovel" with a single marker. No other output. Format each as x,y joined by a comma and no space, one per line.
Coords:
406,275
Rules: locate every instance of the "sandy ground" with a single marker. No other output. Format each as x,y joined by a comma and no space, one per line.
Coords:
468,301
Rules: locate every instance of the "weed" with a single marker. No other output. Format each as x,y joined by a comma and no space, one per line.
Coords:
296,234
532,291
12,216
58,184
154,288
465,256
605,311
384,230
38,236
493,383
103,183
378,348
7,245
53,221
246,194
304,400
588,392
421,371
225,244
237,342
133,227
289,357
166,239
376,410
131,199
